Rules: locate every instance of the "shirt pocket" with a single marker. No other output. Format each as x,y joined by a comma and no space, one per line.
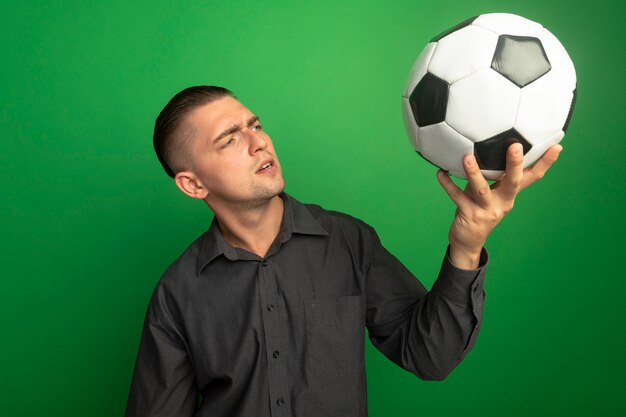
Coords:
335,335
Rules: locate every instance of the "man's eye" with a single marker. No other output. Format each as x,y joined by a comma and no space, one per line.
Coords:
229,142
257,127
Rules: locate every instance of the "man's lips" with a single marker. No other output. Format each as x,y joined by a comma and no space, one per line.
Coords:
266,166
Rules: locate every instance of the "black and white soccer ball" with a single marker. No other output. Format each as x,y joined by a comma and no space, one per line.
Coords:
490,81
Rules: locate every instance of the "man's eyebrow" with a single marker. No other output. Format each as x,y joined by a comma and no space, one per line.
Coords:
235,128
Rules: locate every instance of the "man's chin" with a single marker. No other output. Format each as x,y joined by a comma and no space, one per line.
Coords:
276,192
277,188
264,195
282,187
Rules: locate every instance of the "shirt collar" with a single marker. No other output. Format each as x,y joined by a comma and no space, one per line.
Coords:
296,219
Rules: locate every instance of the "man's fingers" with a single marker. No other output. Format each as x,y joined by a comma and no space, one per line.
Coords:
512,181
538,170
454,192
477,181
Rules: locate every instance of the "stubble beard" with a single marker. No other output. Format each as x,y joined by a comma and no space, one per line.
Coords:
262,194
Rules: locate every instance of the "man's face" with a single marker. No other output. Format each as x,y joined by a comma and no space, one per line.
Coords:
231,156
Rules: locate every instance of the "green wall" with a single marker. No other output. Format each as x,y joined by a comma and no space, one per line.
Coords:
89,221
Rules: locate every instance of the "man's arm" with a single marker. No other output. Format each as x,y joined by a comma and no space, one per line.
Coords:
427,333
163,380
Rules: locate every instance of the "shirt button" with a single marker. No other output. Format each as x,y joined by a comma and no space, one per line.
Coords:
280,402
270,307
264,263
276,354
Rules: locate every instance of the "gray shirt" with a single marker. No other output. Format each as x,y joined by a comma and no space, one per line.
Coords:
230,334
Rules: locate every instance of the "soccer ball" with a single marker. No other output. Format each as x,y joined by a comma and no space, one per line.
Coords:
490,81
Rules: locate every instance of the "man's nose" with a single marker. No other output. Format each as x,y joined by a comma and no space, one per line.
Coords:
258,142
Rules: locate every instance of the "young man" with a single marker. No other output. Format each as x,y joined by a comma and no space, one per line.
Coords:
265,313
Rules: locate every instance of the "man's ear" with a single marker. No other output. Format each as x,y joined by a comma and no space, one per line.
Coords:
190,185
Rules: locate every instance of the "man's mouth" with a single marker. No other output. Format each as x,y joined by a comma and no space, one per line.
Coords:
266,166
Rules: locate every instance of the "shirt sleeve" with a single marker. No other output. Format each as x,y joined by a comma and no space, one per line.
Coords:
427,333
163,380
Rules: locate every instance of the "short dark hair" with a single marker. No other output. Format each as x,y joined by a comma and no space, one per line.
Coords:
168,145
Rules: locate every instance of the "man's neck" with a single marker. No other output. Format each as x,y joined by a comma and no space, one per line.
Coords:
252,229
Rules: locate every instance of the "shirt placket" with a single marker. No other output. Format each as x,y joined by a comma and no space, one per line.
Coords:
275,339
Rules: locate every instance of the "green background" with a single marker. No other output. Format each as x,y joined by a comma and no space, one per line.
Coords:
89,221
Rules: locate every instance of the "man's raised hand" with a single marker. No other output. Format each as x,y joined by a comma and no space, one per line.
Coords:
480,207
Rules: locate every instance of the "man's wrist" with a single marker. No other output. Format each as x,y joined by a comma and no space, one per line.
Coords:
463,258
